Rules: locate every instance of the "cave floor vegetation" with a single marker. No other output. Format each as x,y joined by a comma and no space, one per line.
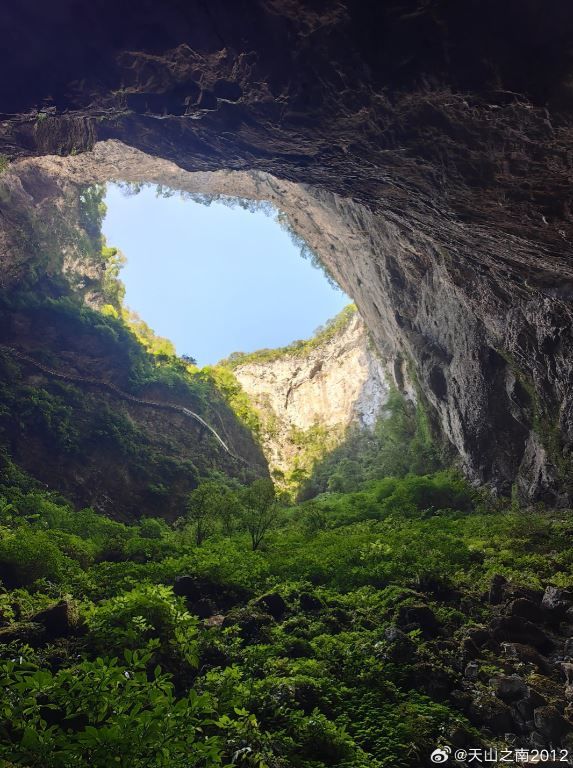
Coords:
341,637
163,604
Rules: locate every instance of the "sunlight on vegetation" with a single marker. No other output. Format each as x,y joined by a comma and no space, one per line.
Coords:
220,623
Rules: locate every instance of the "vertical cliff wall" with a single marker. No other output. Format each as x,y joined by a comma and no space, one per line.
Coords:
308,394
428,147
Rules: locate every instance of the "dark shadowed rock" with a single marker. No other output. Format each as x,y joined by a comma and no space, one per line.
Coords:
525,608
253,623
411,617
556,602
204,608
509,687
309,602
58,620
272,603
515,629
189,587
497,589
24,633
550,723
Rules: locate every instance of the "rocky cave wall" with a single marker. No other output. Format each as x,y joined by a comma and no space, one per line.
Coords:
335,384
422,148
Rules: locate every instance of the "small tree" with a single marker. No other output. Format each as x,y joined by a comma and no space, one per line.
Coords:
259,510
203,508
230,511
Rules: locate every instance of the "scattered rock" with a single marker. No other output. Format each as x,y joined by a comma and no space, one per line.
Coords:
525,654
515,629
509,687
550,723
274,604
310,602
23,632
411,617
471,672
567,667
58,620
214,621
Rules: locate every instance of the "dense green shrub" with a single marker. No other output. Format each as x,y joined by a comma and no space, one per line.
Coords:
316,687
132,619
101,713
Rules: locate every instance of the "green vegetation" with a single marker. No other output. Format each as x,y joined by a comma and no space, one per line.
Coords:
305,670
227,384
72,426
298,348
225,625
400,443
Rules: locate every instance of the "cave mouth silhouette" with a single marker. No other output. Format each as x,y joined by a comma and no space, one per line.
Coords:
41,189
215,275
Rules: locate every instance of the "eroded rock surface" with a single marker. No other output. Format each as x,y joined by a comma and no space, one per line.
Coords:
314,396
430,144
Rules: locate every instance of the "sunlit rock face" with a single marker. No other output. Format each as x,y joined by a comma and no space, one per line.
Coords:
423,149
330,387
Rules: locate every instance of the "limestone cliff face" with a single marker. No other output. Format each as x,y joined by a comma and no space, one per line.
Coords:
426,158
308,398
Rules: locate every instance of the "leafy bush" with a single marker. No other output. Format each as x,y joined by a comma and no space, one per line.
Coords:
145,613
101,713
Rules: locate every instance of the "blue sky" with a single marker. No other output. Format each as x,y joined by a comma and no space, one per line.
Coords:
215,279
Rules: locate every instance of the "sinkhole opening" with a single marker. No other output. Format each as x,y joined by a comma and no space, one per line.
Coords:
214,275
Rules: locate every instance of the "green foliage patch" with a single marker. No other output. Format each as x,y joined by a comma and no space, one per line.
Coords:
317,682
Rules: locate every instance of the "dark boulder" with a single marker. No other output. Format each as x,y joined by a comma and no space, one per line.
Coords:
272,603
189,587
509,687
515,629
309,602
23,633
204,608
526,609
497,589
58,620
556,602
412,617
476,641
550,723
253,624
